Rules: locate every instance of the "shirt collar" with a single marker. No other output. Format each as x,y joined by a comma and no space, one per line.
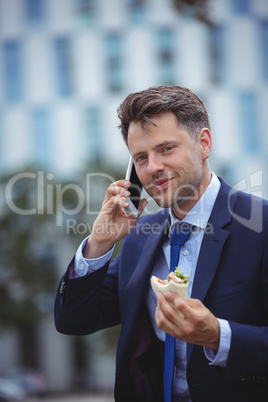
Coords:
199,215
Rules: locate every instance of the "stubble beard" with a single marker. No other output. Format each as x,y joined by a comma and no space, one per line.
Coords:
183,189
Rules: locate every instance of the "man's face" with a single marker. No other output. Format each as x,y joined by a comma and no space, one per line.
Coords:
168,161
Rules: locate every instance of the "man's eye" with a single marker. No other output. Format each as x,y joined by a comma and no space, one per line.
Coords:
168,148
141,158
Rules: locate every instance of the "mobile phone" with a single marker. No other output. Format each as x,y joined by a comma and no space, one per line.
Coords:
135,190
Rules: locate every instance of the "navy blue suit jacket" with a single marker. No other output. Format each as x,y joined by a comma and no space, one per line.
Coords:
231,280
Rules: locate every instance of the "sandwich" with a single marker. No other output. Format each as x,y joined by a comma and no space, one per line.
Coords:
176,282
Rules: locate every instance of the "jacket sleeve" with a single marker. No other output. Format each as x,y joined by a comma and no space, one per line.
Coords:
90,303
249,351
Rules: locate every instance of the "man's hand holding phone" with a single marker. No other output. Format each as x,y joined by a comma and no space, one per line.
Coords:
112,223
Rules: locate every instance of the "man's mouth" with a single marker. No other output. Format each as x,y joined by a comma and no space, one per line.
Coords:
160,184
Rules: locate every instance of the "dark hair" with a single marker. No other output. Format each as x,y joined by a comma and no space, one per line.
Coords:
189,109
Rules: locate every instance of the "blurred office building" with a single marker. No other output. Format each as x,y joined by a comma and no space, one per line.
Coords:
66,65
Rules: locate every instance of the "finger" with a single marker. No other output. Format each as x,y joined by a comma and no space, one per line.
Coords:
122,183
160,318
169,318
194,311
169,310
118,187
115,201
116,205
179,303
164,323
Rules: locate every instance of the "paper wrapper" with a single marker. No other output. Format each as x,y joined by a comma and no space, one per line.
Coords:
180,289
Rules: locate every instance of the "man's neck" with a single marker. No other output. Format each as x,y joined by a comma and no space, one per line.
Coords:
185,206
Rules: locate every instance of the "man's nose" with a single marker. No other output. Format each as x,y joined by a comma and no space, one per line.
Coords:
154,165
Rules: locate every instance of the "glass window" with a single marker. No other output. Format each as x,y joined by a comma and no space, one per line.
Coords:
12,71
2,151
248,119
86,10
264,48
218,54
93,132
241,6
34,11
165,57
41,134
64,67
137,10
114,62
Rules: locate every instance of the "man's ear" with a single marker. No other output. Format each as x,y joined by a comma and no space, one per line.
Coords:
205,143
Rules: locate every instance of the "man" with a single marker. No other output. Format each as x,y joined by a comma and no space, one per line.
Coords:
221,331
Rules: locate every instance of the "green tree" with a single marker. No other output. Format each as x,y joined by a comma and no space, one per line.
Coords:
34,238
28,261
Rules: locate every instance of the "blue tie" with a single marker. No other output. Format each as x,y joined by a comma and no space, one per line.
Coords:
178,235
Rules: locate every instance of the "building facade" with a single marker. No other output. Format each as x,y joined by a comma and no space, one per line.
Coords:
66,65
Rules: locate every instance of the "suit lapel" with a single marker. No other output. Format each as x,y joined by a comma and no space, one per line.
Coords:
213,241
212,245
208,260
